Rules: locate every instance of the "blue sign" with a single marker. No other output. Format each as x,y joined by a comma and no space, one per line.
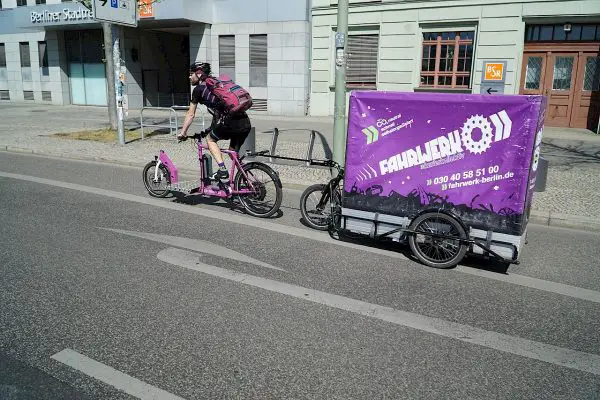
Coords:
114,3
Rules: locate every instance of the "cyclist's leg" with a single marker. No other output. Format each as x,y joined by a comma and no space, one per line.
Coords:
211,140
240,129
213,147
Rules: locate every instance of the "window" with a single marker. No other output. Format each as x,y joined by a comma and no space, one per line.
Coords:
557,33
258,60
362,53
25,56
227,56
43,58
591,80
40,1
447,59
21,3
2,56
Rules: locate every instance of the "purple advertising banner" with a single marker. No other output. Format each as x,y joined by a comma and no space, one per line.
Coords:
473,154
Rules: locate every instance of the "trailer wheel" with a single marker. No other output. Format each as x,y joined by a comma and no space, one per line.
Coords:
432,241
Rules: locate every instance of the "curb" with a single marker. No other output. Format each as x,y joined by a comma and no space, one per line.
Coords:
579,222
537,217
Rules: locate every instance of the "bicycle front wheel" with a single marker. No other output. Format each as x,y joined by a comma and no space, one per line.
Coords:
157,184
264,190
315,207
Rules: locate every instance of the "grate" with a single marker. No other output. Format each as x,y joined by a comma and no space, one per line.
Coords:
4,95
46,95
259,105
28,94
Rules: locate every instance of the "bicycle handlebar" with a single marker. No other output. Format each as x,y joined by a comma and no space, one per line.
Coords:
197,135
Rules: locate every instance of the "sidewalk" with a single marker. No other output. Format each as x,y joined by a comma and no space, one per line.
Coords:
571,199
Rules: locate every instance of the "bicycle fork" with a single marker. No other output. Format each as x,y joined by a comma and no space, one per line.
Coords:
164,159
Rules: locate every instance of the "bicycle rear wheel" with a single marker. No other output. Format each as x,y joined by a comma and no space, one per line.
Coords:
315,206
266,194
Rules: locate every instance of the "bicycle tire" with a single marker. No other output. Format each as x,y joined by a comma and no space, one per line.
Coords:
316,219
148,177
254,203
437,252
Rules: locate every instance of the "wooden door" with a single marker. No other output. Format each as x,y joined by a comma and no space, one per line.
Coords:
559,87
586,105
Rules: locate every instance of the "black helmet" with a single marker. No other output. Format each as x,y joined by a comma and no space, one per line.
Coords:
200,66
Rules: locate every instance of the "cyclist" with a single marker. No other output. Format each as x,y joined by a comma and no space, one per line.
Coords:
233,127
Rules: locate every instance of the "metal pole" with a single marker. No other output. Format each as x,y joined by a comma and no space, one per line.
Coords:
118,84
110,73
339,122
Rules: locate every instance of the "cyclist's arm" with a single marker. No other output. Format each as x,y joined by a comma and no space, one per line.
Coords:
189,118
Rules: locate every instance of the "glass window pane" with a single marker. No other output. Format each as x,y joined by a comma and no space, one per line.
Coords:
467,81
424,65
43,54
563,68
591,80
462,51
258,60
468,65
443,64
546,32
575,33
432,65
227,56
536,33
24,53
443,51
2,55
426,50
533,73
559,33
588,32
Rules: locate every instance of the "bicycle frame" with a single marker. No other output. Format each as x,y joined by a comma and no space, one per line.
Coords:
205,187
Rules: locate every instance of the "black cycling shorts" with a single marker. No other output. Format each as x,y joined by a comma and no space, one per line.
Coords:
234,128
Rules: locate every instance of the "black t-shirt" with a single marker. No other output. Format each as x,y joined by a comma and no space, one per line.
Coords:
202,95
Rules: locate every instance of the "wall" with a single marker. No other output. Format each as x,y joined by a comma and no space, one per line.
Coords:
287,62
237,11
17,81
499,28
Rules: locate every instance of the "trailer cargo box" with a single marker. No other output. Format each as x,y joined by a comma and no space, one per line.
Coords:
475,156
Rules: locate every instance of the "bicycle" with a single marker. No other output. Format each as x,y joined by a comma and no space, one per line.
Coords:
254,183
327,199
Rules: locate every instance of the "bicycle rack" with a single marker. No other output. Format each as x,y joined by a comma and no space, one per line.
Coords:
173,120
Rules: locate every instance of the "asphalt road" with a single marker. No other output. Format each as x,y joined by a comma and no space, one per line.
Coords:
106,291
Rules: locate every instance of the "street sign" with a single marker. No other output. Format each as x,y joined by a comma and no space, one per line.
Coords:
120,12
493,71
492,88
493,77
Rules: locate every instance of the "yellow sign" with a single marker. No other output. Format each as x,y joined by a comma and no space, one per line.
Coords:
146,9
494,71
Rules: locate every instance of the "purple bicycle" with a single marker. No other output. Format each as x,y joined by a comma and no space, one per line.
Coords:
256,185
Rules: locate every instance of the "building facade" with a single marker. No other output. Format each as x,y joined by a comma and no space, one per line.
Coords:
51,51
542,47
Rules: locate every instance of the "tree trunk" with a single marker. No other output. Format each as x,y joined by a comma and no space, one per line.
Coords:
110,74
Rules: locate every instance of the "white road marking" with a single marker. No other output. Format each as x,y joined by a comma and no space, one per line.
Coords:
538,284
534,283
196,245
560,356
112,377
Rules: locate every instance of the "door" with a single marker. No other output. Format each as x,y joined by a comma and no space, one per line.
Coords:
586,107
559,87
